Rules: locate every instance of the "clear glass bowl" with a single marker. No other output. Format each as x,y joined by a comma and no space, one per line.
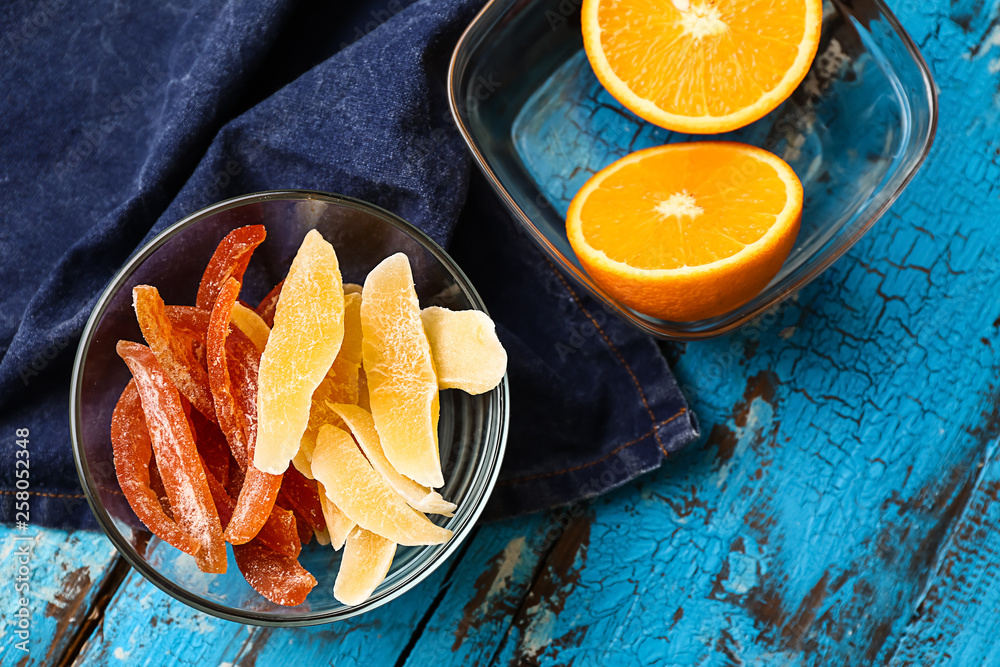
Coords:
472,429
539,124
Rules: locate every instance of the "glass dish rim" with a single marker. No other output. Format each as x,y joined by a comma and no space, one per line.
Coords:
495,9
125,549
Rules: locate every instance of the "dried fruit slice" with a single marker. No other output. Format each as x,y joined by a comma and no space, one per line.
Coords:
251,324
352,288
467,353
229,260
260,489
402,386
301,496
322,536
277,577
267,305
174,353
132,454
359,492
366,561
362,427
339,386
306,337
176,455
337,524
212,446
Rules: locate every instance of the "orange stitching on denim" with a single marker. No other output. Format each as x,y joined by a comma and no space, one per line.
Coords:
607,456
635,380
47,495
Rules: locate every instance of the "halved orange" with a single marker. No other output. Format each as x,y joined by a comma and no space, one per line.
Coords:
687,231
701,66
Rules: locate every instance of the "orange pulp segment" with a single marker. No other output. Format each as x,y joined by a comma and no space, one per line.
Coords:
305,339
366,561
688,231
701,66
467,353
402,385
364,496
362,427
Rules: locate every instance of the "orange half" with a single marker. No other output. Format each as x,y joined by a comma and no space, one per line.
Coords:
701,66
688,231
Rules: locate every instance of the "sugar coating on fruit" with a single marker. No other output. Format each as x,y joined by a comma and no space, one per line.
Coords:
467,353
402,384
367,559
364,496
361,425
304,341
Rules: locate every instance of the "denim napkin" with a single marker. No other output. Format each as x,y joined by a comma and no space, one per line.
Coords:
118,118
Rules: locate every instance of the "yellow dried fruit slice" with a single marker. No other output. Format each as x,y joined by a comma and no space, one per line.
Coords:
250,323
467,353
362,427
402,385
322,536
338,526
364,496
352,288
366,561
339,386
306,337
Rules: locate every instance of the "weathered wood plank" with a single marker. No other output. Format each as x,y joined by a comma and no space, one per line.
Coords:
845,435
64,572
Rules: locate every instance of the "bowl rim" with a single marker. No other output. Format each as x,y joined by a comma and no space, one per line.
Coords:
128,552
495,9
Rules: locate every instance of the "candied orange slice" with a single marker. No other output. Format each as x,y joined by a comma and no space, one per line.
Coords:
402,386
366,561
174,353
467,353
362,427
364,496
132,453
229,260
251,324
176,455
337,523
339,386
276,576
306,337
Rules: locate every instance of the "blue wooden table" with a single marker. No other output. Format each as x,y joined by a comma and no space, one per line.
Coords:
841,510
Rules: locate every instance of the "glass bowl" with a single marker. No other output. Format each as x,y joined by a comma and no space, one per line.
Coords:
472,429
539,124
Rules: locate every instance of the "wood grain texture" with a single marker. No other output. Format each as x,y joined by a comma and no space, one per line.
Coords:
66,570
841,510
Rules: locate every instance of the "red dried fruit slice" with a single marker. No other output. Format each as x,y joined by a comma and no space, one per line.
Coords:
302,497
229,260
279,531
212,446
132,454
268,304
277,577
174,353
176,455
236,408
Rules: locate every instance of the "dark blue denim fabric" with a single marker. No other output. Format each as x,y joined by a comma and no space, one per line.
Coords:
118,118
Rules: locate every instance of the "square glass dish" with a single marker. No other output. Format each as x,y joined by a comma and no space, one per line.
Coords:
539,124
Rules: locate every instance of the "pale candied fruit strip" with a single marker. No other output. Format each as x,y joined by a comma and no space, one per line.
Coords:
402,385
305,339
173,351
364,496
251,324
229,260
276,576
467,353
267,305
177,457
338,525
132,453
322,536
362,427
352,288
367,559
